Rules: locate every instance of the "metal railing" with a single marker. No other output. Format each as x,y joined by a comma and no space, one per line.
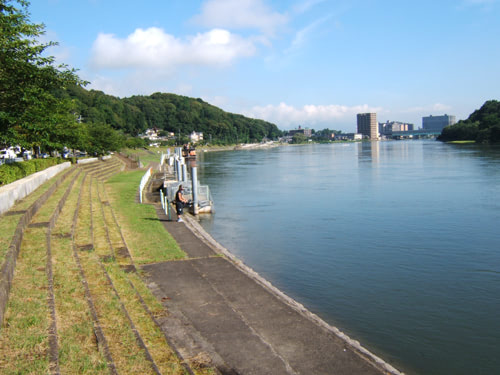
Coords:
200,198
144,181
171,187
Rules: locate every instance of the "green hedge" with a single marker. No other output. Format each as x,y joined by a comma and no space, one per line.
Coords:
15,171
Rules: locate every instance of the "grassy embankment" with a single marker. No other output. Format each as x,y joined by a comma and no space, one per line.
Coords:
88,252
144,234
8,223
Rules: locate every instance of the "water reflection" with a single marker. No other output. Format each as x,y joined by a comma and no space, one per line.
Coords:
395,242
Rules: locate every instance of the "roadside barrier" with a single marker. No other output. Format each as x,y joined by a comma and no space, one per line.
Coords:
165,205
87,160
17,190
143,183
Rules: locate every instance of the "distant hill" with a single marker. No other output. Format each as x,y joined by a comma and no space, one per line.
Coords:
482,126
168,112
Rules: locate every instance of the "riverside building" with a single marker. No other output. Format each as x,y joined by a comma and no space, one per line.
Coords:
386,128
437,123
300,130
367,125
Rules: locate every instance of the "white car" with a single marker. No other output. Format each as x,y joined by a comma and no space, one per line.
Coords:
7,153
27,155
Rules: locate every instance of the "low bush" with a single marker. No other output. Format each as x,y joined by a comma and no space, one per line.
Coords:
15,171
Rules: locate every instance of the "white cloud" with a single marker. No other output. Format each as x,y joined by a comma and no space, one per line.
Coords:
141,82
217,100
184,89
431,109
62,55
304,34
241,14
287,116
306,5
153,48
107,85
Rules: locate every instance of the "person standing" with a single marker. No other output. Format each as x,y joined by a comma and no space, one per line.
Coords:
180,201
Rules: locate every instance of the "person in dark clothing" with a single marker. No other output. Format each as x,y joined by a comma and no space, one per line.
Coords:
180,201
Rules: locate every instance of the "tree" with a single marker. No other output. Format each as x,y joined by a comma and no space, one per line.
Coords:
135,142
299,138
102,138
30,113
461,131
482,126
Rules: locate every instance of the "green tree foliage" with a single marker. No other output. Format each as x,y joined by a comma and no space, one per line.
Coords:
36,108
30,114
170,113
461,131
135,142
15,171
299,138
325,134
483,126
40,102
102,138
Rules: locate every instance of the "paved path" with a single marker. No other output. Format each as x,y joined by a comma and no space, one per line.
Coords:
219,309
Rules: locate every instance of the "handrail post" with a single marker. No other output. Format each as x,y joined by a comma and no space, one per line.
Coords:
184,172
194,182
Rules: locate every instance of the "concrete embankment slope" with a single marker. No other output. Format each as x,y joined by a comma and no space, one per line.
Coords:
221,309
17,190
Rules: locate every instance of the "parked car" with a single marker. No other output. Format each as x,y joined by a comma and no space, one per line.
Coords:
27,155
7,153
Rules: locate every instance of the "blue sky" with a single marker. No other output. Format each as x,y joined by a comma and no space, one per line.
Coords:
314,63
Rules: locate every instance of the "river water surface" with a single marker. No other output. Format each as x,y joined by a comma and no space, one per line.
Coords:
396,243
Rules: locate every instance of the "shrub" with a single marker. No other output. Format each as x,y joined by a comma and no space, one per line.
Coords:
15,171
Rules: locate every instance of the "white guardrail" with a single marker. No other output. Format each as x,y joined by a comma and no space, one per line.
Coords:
144,181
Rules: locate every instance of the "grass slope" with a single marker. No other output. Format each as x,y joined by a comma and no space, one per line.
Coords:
145,235
125,307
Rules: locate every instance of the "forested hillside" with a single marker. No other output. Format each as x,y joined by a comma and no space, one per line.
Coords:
44,106
168,112
482,126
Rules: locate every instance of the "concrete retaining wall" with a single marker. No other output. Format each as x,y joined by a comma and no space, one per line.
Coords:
86,161
17,190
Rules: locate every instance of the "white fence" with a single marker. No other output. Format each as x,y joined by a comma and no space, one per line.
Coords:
144,181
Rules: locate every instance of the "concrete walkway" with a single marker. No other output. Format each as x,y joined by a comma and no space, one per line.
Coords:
219,310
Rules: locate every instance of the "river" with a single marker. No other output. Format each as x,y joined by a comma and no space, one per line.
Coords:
396,243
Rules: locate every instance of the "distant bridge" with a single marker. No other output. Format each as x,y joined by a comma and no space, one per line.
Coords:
421,133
